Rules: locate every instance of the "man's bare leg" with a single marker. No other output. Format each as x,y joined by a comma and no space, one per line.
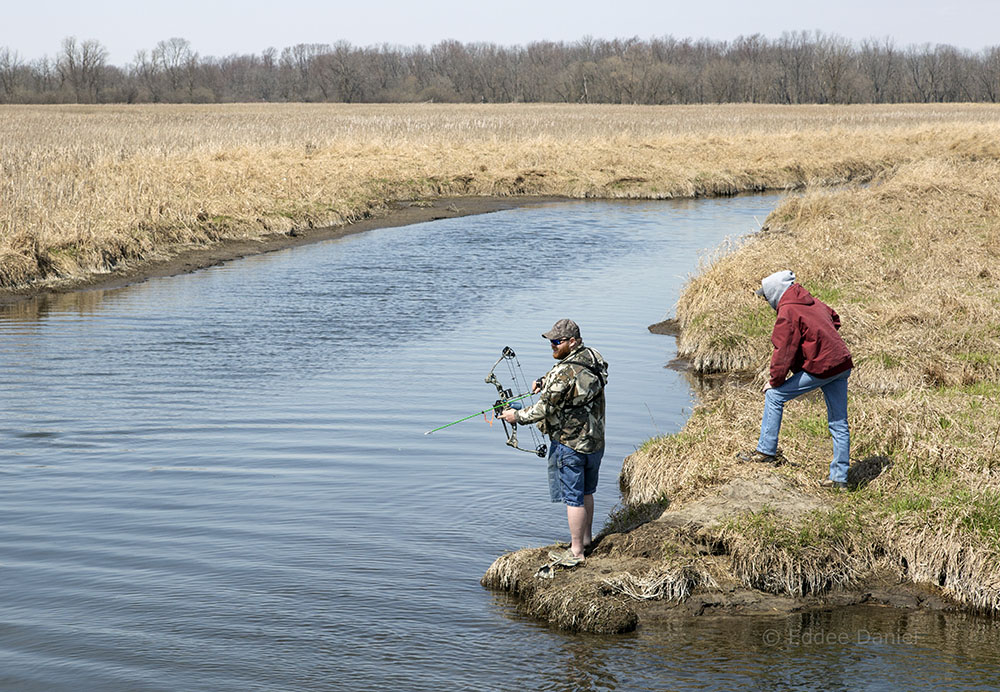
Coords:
588,504
578,528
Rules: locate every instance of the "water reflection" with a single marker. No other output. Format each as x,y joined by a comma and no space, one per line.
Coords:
38,308
220,480
855,648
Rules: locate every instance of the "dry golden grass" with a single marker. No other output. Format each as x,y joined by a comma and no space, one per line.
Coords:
910,263
87,190
918,251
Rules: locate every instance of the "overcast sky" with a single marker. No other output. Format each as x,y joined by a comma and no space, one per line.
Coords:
34,29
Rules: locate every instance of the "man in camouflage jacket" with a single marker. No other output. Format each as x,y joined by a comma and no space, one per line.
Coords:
570,410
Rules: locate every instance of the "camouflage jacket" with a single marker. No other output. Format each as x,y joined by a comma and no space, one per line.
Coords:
570,407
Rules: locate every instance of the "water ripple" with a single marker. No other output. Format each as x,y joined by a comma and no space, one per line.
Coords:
220,481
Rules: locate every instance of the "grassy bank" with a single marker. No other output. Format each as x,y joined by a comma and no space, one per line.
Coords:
910,263
90,190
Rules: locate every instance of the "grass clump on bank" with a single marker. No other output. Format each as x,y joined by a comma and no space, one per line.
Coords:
910,264
810,555
87,190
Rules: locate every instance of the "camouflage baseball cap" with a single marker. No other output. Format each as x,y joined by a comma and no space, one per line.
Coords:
563,329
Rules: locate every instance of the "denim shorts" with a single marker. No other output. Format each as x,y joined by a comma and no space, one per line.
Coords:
572,474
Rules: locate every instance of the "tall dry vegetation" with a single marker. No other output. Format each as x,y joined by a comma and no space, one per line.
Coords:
911,265
89,190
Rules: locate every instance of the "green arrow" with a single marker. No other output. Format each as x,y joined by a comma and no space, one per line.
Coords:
480,413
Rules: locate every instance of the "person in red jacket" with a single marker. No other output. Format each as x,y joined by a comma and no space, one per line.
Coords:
806,344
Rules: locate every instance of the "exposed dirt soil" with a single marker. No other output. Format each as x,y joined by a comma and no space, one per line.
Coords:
675,566
670,327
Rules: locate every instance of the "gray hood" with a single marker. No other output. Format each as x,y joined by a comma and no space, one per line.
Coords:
774,286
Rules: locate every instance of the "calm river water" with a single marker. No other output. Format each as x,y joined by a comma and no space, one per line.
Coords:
220,481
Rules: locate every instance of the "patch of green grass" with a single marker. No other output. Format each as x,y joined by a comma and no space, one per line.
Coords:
692,435
889,360
828,526
981,388
908,503
974,511
813,426
726,341
761,524
983,518
651,442
698,319
979,357
815,530
937,499
757,324
748,326
828,294
919,472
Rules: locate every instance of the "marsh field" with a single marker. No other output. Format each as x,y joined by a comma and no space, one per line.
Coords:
90,190
897,226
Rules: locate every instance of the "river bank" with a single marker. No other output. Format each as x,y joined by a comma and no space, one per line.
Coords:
195,257
654,563
909,263
91,191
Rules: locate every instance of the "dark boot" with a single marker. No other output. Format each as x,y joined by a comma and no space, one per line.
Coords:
833,485
761,458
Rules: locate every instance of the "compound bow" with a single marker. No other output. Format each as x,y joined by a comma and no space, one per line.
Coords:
506,395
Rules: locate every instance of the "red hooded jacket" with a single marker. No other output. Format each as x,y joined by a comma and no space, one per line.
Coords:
805,338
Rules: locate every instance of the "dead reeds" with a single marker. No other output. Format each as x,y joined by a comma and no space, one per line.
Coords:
667,583
88,190
909,262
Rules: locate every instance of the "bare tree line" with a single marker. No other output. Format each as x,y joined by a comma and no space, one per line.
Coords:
798,67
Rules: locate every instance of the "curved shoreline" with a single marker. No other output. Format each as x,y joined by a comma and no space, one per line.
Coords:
141,183
910,267
193,258
697,542
591,599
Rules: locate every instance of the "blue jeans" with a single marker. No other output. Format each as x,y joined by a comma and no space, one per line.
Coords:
834,391
572,474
